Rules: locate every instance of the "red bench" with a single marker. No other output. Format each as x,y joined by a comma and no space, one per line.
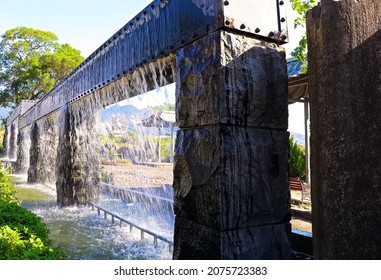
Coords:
295,183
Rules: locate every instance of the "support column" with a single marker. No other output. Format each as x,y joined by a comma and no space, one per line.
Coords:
78,159
64,183
13,139
23,143
6,141
231,168
43,151
344,58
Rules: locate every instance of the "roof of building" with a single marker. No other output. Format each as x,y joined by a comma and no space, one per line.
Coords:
297,81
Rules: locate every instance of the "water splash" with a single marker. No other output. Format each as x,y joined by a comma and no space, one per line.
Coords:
83,234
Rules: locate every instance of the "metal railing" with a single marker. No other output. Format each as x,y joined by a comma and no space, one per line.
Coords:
132,225
137,192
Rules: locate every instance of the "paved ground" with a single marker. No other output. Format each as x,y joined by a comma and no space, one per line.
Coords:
140,175
301,222
153,176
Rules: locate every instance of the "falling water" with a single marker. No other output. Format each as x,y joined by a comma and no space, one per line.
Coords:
82,233
60,147
135,183
129,182
23,142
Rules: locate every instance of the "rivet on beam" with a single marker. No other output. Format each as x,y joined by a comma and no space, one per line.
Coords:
226,3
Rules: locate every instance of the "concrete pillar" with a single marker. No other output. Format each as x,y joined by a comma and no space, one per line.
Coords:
231,168
344,58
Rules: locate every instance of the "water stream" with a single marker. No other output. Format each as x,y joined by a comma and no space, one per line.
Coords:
83,234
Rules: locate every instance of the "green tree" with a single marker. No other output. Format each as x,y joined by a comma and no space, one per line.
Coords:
301,7
297,159
31,62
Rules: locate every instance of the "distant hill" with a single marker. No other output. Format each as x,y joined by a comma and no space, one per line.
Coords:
127,110
119,119
299,138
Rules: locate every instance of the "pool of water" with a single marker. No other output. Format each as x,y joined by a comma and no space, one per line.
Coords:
82,234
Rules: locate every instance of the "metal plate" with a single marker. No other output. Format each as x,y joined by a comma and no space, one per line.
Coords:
266,18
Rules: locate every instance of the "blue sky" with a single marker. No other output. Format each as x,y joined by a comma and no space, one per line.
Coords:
86,24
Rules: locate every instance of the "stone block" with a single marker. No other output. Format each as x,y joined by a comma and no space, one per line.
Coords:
229,78
196,241
257,243
232,177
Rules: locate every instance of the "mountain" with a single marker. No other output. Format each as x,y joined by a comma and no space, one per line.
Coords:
130,111
299,138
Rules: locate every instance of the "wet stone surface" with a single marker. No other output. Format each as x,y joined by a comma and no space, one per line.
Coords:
231,169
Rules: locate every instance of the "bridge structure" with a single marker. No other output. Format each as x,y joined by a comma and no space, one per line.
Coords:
231,194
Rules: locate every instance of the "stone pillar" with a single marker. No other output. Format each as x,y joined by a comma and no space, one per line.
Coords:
78,159
43,151
13,140
64,183
344,58
6,141
231,168
23,144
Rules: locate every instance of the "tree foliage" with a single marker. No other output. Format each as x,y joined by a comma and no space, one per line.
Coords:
301,7
31,62
297,159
